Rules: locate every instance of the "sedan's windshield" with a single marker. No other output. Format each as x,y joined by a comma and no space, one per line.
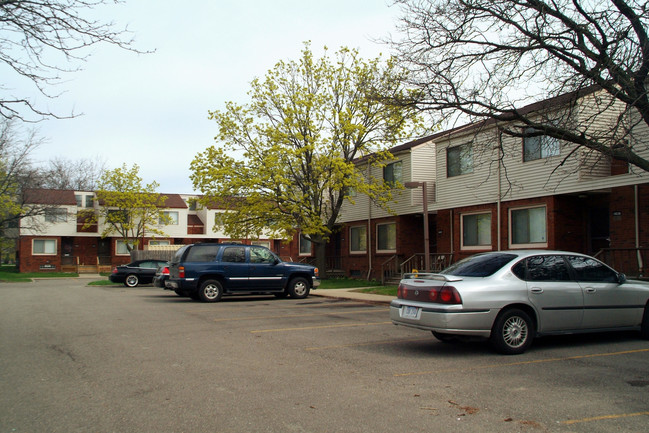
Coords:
480,265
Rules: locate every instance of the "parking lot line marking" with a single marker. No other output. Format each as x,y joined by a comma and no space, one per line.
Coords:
367,343
288,316
603,417
305,328
511,364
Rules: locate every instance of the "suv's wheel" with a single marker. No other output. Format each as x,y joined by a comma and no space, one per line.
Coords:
512,332
298,288
210,291
131,280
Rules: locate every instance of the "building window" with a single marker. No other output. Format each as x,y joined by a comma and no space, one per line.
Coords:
171,218
44,247
392,173
539,146
56,215
386,237
358,239
305,246
79,199
261,243
459,160
528,227
121,249
476,230
89,201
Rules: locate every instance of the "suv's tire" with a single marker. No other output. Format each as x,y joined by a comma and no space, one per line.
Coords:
513,332
131,280
210,291
298,288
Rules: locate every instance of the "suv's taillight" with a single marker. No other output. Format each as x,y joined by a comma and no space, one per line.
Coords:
181,272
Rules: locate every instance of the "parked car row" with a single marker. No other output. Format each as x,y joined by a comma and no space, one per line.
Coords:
507,297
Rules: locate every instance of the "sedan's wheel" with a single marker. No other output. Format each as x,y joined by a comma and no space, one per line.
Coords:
512,332
298,288
445,338
210,291
644,328
131,280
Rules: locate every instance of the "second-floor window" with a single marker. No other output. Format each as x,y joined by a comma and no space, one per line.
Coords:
171,218
459,160
56,215
392,173
539,146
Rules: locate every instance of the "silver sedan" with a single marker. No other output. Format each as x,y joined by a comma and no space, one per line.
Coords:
511,297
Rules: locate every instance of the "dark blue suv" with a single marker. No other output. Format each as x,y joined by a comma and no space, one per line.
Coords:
208,271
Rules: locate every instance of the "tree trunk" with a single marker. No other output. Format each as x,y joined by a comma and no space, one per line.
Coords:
320,247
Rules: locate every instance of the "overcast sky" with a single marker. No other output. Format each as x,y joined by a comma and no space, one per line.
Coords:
152,109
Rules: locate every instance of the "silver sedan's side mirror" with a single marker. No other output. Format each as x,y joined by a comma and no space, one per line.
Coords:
621,278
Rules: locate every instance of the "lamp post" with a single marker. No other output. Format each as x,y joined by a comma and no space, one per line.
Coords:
413,185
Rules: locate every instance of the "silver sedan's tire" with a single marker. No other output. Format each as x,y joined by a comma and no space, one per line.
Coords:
131,280
210,291
298,288
513,332
644,327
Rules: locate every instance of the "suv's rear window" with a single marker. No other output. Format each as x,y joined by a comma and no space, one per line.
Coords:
206,253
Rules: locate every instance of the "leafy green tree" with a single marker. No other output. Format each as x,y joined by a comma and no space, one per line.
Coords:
287,160
128,207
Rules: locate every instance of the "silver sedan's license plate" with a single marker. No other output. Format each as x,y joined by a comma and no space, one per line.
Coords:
408,312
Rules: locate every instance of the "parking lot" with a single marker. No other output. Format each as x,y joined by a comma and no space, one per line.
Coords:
107,358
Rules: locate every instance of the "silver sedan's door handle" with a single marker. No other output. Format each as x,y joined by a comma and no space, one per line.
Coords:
590,290
536,290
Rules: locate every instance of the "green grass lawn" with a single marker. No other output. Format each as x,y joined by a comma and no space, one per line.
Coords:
10,274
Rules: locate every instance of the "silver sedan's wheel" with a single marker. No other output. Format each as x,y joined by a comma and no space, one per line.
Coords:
131,280
298,288
512,332
211,291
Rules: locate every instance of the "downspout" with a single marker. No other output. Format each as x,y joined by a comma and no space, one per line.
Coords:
369,229
499,200
637,232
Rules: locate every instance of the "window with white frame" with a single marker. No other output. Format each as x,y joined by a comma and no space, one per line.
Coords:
392,173
459,160
90,201
44,247
476,230
170,218
538,146
528,227
56,215
305,246
358,239
121,249
386,237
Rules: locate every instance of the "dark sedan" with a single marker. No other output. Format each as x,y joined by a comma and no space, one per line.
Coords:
138,272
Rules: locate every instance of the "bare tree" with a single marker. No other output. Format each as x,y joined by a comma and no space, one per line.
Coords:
484,59
43,40
79,175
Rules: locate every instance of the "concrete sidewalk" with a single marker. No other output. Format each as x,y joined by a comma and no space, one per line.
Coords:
352,295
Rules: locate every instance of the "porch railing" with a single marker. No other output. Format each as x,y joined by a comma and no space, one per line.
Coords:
390,269
438,261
